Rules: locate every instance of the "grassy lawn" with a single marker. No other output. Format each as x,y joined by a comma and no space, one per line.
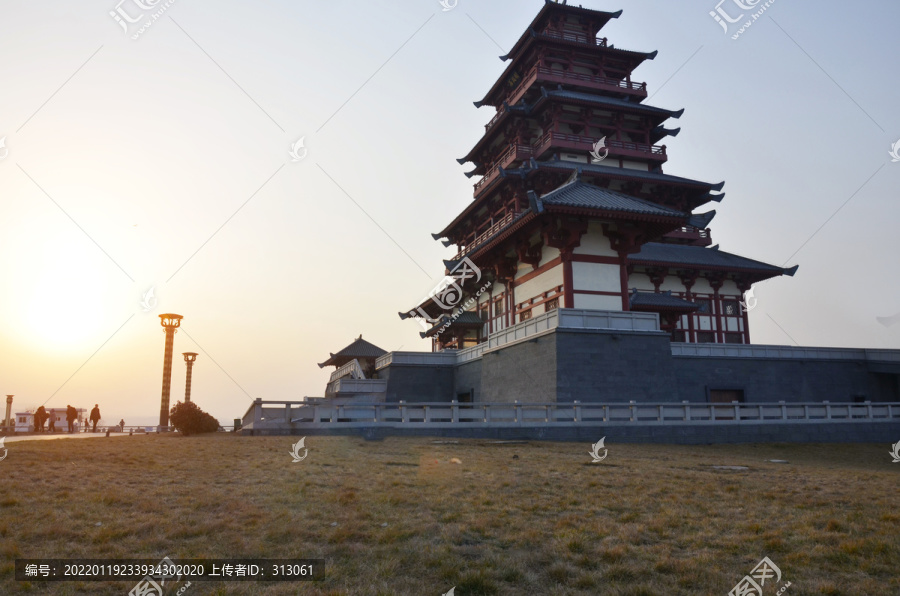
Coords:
397,517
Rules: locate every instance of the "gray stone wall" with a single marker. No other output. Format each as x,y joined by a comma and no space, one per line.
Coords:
764,380
608,366
467,377
418,383
525,372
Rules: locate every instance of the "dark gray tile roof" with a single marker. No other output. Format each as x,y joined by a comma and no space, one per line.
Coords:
467,318
698,256
358,349
625,172
582,194
663,300
613,102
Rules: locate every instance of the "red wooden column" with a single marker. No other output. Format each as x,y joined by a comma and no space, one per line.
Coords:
688,278
744,287
565,236
716,283
568,279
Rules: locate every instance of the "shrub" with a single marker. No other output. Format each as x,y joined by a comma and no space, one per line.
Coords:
189,419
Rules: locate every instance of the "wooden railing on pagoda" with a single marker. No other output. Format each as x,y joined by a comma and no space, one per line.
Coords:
513,153
543,74
575,37
693,236
499,225
561,140
582,143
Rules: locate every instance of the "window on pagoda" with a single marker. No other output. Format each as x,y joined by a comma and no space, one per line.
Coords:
551,305
706,337
525,315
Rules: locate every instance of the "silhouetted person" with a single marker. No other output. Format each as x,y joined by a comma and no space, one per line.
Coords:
122,425
95,416
71,415
40,417
52,427
87,426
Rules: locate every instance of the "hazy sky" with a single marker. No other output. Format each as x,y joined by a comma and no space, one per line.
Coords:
163,162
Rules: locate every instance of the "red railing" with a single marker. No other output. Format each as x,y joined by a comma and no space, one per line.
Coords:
575,37
697,236
553,75
507,219
513,153
582,143
494,120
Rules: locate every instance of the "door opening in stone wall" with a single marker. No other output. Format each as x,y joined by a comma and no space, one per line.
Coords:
726,396
465,398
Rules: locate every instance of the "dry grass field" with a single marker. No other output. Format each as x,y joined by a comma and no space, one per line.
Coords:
397,517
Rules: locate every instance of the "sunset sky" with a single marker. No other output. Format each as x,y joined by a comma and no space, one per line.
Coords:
163,162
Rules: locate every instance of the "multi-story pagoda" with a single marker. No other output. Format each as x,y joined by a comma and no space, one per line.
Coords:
573,209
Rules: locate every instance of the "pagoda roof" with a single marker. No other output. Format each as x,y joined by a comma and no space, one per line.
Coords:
465,319
602,100
660,301
578,193
583,198
606,171
698,257
627,174
577,97
603,18
358,349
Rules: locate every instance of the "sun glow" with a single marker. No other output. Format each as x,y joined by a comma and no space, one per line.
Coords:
63,301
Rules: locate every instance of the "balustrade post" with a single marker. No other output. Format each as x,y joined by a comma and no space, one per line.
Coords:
868,410
686,408
737,411
606,414
783,410
577,411
404,417
287,412
631,407
454,411
827,409
257,410
487,413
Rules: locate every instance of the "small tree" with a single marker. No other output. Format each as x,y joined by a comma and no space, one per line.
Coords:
189,419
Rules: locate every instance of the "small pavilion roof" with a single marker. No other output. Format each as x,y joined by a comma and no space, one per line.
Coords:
466,319
660,301
358,349
664,254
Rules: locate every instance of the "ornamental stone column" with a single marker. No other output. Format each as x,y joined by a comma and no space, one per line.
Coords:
189,359
170,323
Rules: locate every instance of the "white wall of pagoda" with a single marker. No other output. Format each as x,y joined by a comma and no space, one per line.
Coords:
595,243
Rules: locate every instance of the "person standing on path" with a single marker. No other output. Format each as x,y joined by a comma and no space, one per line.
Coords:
40,417
52,427
95,416
71,415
